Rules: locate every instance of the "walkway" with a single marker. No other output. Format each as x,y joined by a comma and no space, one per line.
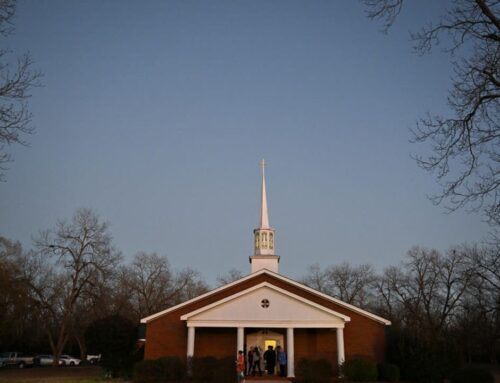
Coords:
266,379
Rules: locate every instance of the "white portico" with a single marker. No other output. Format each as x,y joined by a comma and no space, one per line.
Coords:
266,306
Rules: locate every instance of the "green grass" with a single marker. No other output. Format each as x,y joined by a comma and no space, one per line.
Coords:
60,380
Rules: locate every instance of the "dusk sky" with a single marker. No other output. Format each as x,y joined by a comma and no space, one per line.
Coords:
155,114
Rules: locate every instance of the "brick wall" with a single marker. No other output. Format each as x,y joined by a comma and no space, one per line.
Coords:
167,334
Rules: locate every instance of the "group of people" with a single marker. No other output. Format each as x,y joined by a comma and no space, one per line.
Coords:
254,361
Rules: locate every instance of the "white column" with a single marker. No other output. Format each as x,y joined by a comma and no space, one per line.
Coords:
289,350
190,341
340,346
239,339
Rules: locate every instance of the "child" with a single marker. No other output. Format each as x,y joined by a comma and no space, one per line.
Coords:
240,367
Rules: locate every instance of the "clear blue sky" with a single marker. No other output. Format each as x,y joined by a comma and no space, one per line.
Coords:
156,115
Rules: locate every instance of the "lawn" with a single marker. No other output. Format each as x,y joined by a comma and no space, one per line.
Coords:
88,374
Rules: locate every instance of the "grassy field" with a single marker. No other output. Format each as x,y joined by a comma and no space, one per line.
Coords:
88,374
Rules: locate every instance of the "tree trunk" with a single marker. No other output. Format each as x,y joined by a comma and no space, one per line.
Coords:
82,346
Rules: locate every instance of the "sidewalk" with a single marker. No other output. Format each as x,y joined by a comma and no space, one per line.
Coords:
266,380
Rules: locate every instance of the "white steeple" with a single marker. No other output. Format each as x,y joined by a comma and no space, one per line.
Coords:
264,257
264,218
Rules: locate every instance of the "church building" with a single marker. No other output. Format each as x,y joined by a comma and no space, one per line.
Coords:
266,308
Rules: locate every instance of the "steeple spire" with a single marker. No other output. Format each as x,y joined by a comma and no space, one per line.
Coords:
264,218
264,257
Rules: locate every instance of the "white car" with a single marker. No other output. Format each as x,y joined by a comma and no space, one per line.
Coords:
44,360
68,360
94,359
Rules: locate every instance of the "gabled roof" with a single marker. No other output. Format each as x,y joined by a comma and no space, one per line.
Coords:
283,307
279,277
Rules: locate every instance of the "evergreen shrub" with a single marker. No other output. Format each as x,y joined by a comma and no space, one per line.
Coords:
167,369
314,370
210,369
420,360
388,372
360,370
472,374
114,337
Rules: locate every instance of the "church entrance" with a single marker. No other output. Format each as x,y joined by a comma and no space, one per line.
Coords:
262,339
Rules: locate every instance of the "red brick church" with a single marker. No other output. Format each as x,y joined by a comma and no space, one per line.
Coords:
266,308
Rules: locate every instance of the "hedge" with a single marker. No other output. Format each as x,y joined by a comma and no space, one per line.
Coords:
472,374
360,370
314,371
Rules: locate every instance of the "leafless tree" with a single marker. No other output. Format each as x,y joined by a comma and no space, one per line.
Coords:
426,291
153,286
231,276
386,301
17,78
465,144
151,282
17,318
385,10
82,255
190,285
486,262
478,321
317,278
350,284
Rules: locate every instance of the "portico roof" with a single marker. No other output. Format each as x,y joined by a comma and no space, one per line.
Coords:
265,305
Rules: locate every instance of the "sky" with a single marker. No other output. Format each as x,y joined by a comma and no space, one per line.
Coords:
156,114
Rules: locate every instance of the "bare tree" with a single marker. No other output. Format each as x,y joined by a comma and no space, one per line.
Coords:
350,284
426,290
485,260
83,255
316,279
190,284
17,317
154,286
16,81
464,156
231,276
150,281
385,10
386,300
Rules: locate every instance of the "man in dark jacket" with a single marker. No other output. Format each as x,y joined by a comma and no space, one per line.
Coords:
270,358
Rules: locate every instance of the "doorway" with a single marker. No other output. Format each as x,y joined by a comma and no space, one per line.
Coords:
264,338
269,342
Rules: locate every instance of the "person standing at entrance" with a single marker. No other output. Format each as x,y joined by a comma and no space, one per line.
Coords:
281,360
249,360
256,361
240,367
270,357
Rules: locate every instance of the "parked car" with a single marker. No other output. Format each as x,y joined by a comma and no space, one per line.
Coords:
44,360
68,360
15,358
93,359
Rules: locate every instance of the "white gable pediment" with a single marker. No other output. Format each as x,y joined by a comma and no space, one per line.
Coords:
265,305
